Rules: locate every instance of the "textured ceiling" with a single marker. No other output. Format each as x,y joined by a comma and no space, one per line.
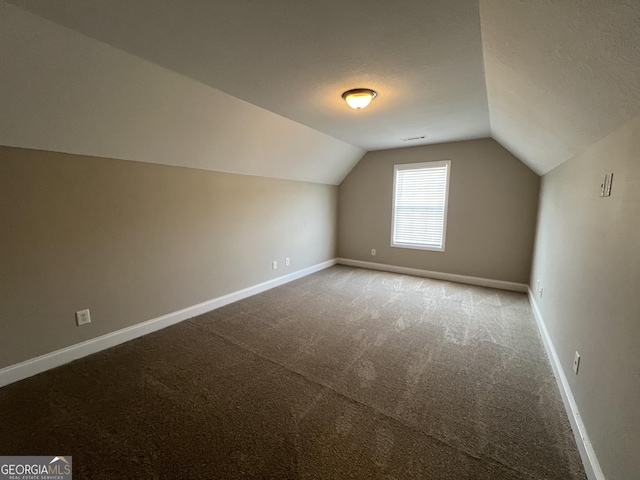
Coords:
295,58
560,74
546,78
64,92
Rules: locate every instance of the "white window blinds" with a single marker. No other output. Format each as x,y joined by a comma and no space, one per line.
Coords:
420,205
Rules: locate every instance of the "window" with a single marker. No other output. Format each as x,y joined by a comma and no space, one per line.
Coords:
420,192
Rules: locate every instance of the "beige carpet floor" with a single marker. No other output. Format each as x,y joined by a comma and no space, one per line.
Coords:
346,373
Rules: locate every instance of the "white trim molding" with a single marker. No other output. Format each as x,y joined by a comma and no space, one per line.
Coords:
28,368
450,277
588,455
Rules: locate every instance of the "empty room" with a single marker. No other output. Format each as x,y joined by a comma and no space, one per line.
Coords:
320,240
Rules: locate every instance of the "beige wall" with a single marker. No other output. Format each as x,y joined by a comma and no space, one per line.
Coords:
587,257
491,218
134,241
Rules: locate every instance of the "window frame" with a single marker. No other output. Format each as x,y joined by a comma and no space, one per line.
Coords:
417,166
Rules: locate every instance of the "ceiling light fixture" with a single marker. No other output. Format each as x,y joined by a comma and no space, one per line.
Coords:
359,98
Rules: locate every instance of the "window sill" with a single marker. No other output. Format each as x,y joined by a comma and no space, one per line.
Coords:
418,247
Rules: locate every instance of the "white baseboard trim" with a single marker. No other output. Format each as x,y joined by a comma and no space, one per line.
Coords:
451,277
28,368
588,455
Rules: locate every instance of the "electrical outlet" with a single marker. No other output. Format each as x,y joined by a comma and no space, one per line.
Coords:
287,262
576,363
274,265
83,317
373,252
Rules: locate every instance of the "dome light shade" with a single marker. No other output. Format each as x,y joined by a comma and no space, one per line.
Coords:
359,97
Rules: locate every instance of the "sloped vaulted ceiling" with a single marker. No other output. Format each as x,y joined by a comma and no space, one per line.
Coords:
560,74
546,78
62,91
296,58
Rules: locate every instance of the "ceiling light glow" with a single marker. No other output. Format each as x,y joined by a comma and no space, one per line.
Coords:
359,98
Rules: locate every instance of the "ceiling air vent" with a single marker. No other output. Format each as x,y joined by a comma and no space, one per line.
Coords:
413,139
